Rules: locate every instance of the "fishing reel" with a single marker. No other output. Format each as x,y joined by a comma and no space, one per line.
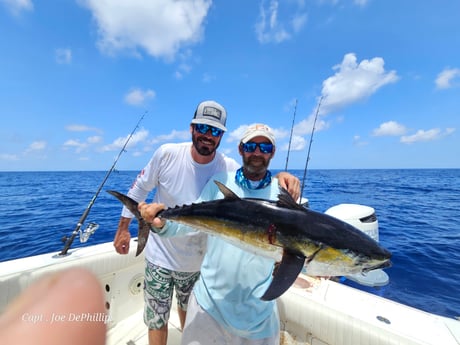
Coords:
89,230
85,234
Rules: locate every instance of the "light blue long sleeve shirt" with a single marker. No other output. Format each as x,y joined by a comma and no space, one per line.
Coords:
232,280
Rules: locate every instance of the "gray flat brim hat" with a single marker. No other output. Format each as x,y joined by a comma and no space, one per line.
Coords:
210,113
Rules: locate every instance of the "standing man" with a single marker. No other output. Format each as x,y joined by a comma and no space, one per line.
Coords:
179,172
225,306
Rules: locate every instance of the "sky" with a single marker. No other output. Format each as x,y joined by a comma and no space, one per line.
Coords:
348,84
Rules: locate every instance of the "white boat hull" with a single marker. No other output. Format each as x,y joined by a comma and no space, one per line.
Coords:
312,311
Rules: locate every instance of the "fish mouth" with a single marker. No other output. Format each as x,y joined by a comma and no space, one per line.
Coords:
384,264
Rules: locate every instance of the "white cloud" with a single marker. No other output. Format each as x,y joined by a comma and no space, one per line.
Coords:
81,128
357,141
390,128
354,82
299,21
37,146
63,55
8,157
337,2
182,69
184,65
138,96
235,135
351,83
75,144
160,28
446,77
138,137
306,125
174,135
17,6
94,139
298,143
79,146
269,28
429,135
208,78
360,2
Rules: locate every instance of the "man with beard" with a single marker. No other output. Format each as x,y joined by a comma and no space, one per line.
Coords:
179,172
225,306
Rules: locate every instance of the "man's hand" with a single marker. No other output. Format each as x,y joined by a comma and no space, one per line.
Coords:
149,213
290,183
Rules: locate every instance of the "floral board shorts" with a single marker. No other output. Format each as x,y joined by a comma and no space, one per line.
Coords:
159,284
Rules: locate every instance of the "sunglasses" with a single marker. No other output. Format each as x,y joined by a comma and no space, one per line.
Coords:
203,129
263,147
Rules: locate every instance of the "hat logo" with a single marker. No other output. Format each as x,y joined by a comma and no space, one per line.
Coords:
260,127
212,112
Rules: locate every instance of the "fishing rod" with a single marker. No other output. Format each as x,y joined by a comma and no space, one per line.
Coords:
309,148
290,137
92,227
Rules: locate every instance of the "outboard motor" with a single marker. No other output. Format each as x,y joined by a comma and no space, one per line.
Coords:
363,218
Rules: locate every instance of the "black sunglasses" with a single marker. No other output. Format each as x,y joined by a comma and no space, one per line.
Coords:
203,129
263,147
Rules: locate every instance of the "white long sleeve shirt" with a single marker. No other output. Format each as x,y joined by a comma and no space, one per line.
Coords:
178,180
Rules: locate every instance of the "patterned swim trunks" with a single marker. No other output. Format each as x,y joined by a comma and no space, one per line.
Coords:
158,291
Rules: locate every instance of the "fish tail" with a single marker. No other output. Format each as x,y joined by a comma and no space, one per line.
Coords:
142,235
144,227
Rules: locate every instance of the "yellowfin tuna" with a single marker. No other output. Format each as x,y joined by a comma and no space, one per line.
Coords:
283,229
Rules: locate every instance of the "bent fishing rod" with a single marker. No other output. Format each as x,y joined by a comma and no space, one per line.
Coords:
92,226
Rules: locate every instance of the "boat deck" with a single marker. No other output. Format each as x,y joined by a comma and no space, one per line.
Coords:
132,331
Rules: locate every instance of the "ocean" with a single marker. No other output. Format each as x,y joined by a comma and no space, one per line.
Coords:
418,212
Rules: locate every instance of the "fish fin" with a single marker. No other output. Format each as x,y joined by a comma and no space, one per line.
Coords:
284,275
144,228
285,200
130,204
142,235
227,192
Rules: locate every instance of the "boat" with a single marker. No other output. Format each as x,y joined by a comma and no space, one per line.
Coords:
314,311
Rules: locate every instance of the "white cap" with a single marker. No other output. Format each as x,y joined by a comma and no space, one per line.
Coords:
258,130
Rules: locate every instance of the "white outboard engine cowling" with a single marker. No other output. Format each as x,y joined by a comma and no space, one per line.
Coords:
363,218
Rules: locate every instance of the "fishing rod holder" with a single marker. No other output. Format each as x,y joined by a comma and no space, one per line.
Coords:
89,230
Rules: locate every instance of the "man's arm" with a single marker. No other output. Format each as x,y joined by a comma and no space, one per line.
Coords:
123,236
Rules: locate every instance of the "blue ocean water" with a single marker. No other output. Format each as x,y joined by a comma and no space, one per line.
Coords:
418,213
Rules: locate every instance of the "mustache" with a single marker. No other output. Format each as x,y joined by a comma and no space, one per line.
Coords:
203,138
257,159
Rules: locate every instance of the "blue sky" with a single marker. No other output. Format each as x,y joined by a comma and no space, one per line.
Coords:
76,76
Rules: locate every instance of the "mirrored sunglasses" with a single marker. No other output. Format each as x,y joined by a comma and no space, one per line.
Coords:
263,147
203,129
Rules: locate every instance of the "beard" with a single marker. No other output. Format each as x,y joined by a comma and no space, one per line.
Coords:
254,166
205,146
